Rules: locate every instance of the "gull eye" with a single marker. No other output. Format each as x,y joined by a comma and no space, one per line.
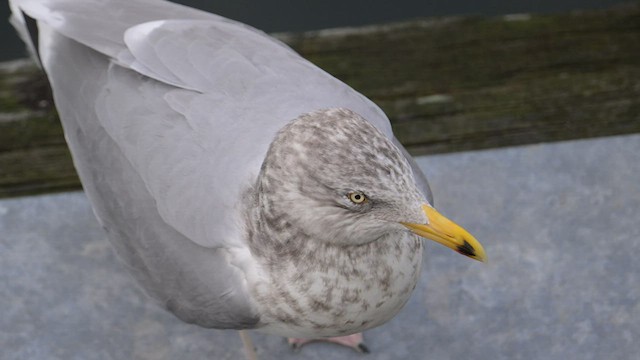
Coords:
357,197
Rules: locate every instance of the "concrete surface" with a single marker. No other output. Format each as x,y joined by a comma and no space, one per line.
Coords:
559,223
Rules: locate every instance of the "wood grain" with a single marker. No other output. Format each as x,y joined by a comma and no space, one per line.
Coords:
448,84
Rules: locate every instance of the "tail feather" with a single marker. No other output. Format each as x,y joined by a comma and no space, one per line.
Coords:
27,29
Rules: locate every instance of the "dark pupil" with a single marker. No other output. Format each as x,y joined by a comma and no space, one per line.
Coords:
357,197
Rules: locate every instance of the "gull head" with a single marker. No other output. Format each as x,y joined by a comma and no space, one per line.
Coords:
331,176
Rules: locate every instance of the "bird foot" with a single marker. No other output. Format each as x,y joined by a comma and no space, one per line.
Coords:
354,341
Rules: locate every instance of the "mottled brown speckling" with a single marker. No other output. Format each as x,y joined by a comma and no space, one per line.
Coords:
340,267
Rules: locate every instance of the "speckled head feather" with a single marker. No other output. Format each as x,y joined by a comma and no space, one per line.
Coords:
318,160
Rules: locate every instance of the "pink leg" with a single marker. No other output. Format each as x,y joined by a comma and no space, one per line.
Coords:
354,341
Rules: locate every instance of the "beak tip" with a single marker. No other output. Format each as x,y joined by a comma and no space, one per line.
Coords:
468,250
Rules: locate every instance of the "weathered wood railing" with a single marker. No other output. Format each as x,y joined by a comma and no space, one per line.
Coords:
449,84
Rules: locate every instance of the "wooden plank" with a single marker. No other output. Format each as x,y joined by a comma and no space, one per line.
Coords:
34,157
472,83
449,84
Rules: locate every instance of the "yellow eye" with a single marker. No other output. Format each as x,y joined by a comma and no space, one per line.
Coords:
357,197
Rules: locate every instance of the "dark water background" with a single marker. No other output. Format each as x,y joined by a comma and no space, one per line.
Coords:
291,15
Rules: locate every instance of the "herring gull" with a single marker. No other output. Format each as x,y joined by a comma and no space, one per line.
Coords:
243,187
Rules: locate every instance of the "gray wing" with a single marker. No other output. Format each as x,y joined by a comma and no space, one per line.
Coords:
203,285
233,89
200,284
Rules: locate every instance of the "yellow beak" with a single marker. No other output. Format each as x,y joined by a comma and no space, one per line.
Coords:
446,232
